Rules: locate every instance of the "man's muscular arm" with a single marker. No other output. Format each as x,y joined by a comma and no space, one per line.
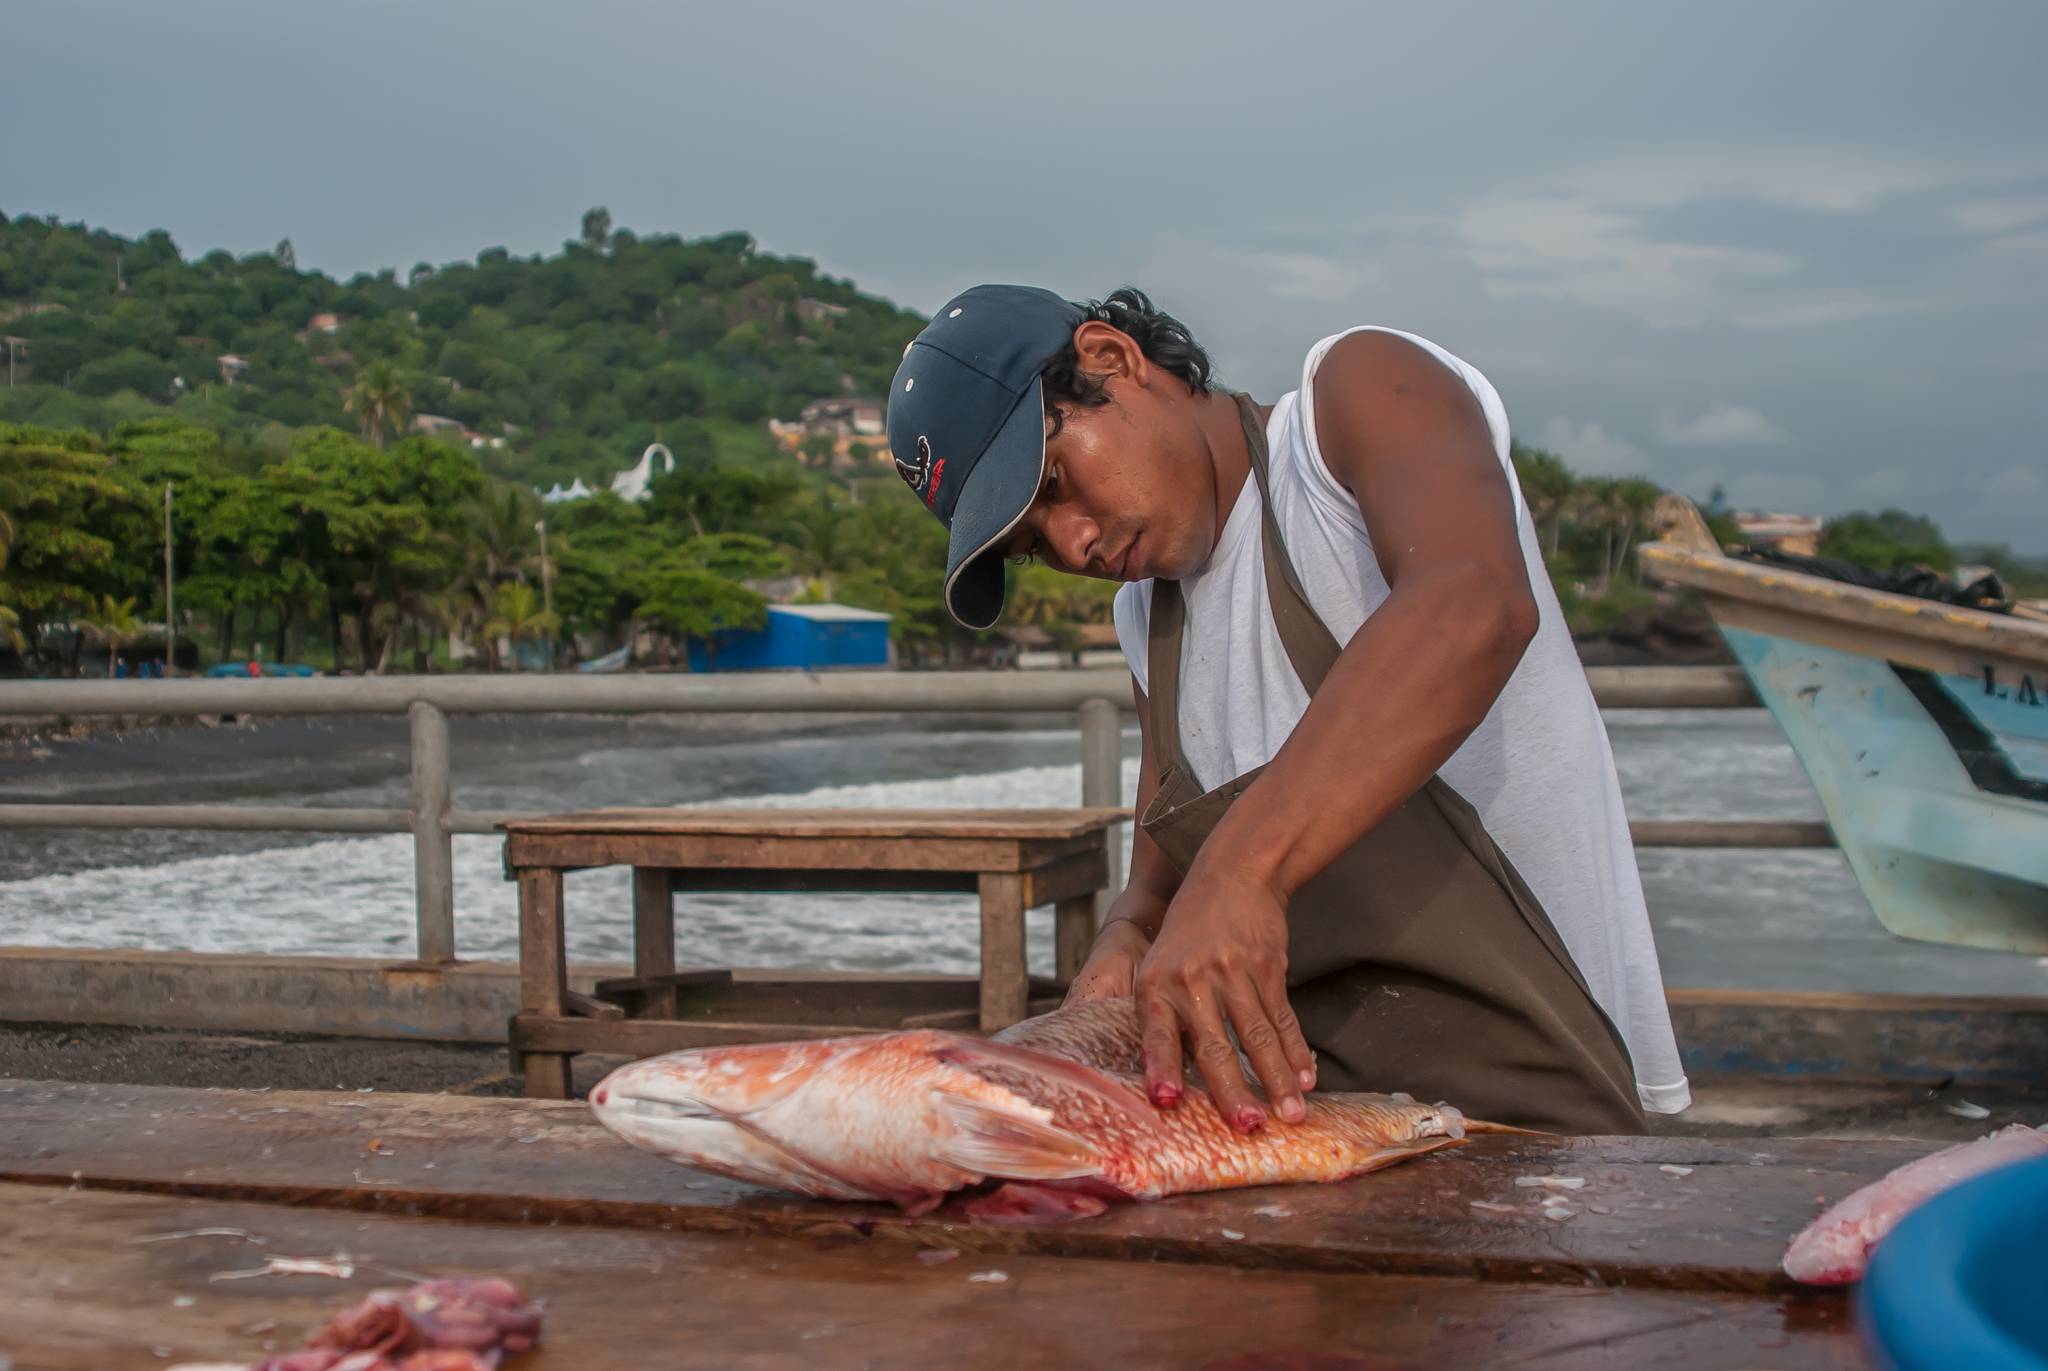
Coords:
1405,435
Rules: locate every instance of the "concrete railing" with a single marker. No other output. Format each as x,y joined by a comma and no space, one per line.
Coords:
1097,698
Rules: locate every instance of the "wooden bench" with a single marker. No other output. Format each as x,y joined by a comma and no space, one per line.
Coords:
1014,859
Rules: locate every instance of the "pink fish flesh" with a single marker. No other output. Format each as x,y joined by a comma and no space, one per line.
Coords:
1835,1248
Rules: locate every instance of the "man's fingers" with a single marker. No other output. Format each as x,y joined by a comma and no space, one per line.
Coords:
1261,1042
1161,1035
1278,1009
1217,1057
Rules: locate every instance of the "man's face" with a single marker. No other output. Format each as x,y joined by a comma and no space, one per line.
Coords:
1130,489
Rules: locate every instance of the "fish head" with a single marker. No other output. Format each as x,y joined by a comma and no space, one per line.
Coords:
704,1109
835,1118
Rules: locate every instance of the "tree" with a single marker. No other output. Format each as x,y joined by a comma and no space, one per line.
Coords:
113,622
693,603
60,504
516,615
1547,486
380,401
597,228
1889,540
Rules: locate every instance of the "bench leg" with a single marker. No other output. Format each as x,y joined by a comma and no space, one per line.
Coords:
654,937
1005,987
543,975
1073,932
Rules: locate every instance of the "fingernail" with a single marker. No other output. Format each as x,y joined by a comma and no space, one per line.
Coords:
1250,1120
1307,1079
1165,1096
1292,1111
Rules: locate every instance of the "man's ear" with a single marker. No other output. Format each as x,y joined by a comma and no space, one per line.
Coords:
1106,351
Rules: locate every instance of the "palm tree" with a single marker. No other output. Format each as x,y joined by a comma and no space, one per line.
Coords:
516,614
113,623
1547,486
501,533
379,400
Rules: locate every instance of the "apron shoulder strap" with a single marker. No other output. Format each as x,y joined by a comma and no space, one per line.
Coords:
1311,647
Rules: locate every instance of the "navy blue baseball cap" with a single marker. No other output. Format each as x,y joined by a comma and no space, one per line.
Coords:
967,427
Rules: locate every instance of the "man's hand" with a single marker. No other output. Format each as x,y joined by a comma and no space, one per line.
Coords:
1111,971
1220,962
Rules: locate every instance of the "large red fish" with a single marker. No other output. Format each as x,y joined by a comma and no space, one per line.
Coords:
1055,1106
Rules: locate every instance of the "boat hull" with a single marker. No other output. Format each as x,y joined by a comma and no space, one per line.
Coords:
1934,783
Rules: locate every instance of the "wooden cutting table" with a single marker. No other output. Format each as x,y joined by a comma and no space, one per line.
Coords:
1013,859
122,1208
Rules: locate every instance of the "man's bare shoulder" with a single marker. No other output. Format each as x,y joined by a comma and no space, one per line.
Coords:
1377,393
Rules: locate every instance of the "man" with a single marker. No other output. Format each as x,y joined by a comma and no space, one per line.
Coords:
1381,843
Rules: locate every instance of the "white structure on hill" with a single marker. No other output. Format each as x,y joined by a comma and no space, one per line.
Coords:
630,485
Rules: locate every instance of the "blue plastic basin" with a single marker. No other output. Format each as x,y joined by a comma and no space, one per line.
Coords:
1963,1280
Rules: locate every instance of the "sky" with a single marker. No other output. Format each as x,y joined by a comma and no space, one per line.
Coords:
1796,251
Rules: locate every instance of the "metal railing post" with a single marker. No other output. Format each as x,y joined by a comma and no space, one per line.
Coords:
1102,779
433,850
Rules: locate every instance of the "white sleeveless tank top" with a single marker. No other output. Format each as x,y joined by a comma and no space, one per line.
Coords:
1538,768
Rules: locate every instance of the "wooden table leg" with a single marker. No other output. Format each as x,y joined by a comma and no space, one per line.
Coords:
654,938
1073,933
543,974
1005,986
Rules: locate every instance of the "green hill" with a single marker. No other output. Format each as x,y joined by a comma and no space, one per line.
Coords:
572,360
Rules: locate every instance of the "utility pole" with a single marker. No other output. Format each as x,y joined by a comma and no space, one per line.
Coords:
547,592
170,602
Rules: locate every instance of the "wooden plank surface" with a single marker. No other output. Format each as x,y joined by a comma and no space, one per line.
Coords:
1722,1225
94,1280
822,853
835,823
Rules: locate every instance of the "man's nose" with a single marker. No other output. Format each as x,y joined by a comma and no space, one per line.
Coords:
1073,536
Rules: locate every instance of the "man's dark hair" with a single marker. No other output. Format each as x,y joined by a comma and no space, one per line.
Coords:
1162,338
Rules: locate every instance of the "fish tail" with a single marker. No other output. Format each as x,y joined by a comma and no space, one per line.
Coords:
1482,1126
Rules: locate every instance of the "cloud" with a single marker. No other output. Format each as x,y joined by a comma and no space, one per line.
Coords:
1591,450
1835,179
1790,494
1309,276
1722,426
1565,247
2000,214
2023,485
1819,308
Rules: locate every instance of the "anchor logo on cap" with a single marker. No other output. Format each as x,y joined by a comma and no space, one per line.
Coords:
916,471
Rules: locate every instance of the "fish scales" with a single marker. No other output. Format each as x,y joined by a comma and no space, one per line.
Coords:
1055,1107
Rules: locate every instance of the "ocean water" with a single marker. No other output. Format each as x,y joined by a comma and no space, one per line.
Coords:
1777,919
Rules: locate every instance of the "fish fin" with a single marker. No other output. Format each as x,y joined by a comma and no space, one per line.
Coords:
1016,1203
1387,1156
1017,1066
990,1140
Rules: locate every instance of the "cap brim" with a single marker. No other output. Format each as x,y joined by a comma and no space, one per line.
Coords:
998,492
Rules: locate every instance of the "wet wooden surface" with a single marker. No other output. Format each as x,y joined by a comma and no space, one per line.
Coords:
1723,1225
103,1280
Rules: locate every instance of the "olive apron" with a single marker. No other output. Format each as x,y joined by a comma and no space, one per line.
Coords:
1418,960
